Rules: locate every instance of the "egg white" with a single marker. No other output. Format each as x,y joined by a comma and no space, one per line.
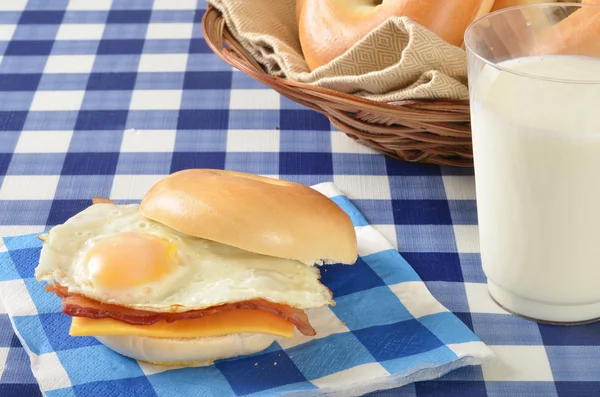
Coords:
208,273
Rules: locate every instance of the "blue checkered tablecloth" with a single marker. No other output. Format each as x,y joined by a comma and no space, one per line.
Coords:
102,97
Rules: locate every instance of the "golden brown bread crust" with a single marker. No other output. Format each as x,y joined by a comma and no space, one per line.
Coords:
257,214
578,34
328,28
500,4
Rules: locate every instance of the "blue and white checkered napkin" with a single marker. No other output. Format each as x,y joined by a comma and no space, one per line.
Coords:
387,330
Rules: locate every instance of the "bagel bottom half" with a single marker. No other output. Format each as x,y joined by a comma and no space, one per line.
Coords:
192,351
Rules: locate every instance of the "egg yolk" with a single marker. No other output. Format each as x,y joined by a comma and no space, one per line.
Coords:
130,259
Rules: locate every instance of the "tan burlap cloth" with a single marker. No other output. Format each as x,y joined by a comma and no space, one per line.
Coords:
398,60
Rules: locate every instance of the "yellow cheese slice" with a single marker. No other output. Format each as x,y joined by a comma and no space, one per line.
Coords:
223,323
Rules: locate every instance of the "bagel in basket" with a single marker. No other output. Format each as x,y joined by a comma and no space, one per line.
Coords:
500,4
578,34
211,264
328,28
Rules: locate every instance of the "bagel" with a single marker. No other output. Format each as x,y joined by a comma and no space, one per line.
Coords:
328,28
500,4
578,34
211,264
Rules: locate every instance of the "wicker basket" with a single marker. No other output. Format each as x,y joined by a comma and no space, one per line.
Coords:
437,132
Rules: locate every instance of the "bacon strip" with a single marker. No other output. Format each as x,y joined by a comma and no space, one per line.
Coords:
76,305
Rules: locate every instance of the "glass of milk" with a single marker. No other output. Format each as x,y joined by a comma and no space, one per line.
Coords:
534,81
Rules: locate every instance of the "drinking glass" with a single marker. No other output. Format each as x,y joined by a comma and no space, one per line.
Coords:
534,83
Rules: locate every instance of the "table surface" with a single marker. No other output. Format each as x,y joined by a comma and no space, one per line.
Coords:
103,97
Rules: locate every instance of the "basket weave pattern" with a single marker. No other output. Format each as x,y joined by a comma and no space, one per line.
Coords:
436,132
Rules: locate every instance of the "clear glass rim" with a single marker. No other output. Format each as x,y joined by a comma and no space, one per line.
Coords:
509,70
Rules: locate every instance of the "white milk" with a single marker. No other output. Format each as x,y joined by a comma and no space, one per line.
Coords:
537,166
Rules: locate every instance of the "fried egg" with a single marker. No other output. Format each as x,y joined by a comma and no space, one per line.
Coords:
111,253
